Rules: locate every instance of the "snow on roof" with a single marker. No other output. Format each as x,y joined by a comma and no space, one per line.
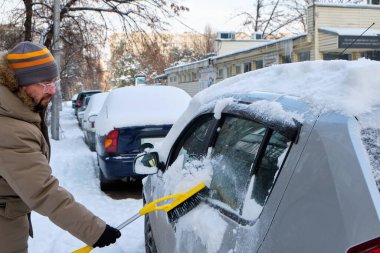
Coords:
271,42
347,5
350,31
346,87
141,105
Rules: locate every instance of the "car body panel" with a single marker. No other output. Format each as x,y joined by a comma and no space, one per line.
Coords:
337,204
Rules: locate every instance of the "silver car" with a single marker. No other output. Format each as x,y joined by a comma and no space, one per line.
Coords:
282,177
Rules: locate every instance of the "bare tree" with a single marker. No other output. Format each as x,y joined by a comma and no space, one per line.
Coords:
272,18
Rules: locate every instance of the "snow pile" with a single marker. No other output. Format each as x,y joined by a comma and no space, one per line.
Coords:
141,105
201,221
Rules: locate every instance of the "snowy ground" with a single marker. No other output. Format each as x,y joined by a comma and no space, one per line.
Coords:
75,167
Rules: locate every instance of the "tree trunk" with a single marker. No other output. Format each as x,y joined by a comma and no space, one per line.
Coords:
28,19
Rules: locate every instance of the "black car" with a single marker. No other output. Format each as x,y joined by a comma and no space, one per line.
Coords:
81,96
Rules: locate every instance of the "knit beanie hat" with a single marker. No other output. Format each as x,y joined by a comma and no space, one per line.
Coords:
32,63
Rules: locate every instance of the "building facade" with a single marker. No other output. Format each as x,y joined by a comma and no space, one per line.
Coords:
334,31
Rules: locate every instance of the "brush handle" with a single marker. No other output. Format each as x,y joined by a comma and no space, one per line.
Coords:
130,220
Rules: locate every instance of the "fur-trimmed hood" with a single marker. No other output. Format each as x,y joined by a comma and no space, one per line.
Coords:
8,79
14,102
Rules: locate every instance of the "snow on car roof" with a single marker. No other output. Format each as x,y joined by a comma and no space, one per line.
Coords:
141,105
95,104
346,87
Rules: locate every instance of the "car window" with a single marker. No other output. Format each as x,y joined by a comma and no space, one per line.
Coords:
265,173
234,153
192,144
246,157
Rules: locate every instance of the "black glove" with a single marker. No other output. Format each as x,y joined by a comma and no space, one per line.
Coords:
108,237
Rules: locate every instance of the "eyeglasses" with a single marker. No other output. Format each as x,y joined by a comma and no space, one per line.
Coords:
49,86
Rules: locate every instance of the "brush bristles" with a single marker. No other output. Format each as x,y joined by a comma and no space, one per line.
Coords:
186,206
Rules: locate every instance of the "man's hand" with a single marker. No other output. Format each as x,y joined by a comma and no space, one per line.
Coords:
108,237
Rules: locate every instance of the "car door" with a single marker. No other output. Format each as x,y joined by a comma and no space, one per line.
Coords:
247,157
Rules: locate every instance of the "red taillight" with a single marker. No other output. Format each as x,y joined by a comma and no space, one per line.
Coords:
110,143
372,246
93,124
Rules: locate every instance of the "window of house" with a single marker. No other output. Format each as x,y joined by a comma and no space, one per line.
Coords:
304,56
194,76
373,55
221,73
336,56
286,59
247,67
259,64
229,71
238,69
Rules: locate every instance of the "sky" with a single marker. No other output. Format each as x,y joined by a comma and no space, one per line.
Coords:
219,14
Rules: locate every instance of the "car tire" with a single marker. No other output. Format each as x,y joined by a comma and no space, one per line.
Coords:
104,184
150,244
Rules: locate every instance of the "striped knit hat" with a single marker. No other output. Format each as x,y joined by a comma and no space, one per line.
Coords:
32,63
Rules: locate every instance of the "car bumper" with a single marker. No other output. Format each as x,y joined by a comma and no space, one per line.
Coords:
119,167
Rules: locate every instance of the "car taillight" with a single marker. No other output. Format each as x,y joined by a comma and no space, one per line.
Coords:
110,144
372,246
91,120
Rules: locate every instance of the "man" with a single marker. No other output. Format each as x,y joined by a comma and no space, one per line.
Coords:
27,75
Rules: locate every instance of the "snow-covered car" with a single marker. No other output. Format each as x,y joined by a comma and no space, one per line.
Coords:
290,155
132,116
80,98
81,110
90,114
73,100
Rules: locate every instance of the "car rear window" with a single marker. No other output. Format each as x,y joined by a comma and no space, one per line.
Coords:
370,136
371,140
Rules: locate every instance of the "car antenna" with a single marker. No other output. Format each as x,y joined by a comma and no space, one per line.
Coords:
356,39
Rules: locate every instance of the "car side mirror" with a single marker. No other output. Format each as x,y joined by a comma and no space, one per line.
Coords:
146,163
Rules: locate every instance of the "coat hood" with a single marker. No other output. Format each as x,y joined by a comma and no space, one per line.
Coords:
14,102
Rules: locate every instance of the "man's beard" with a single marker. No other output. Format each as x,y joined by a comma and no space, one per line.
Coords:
40,107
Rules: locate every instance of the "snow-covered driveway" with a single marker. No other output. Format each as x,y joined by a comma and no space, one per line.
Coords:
75,167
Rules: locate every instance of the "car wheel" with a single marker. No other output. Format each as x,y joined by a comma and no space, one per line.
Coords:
104,184
150,245
92,146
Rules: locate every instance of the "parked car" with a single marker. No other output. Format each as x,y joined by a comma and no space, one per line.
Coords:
290,155
82,109
130,117
90,114
81,96
73,100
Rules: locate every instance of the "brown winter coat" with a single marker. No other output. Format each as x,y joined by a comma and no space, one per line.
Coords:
26,181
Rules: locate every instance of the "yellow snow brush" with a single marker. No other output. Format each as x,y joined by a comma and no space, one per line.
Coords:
181,204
